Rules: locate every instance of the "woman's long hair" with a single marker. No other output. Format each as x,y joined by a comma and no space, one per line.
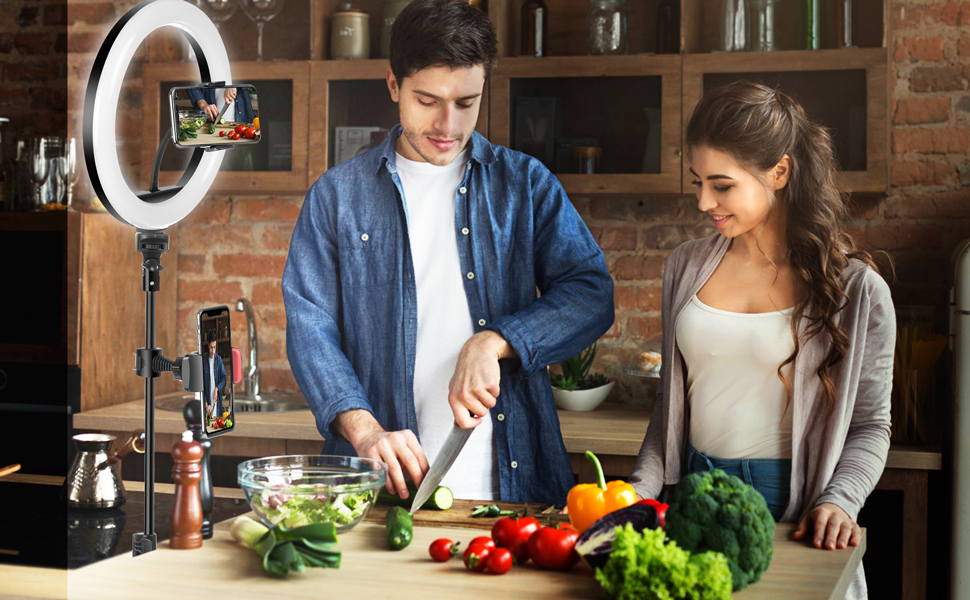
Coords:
757,126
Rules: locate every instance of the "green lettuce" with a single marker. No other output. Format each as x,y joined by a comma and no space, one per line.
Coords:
297,510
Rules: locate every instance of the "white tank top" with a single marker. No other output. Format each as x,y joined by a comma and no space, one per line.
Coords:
738,405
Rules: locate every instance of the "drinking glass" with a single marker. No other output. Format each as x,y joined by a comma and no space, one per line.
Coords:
38,169
261,11
218,10
70,173
56,148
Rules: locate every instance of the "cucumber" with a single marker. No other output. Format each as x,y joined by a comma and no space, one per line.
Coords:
441,498
400,529
222,121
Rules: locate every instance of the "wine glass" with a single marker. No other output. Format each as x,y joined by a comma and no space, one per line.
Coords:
57,168
218,10
261,11
38,169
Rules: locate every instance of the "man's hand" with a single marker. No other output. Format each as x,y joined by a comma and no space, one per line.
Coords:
229,95
474,387
210,110
832,527
399,449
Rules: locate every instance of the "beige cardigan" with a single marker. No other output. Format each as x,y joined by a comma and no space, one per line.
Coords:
836,458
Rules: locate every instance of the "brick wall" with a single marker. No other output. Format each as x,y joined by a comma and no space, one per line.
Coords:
33,48
233,247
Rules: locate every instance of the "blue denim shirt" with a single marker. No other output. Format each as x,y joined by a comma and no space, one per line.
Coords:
350,298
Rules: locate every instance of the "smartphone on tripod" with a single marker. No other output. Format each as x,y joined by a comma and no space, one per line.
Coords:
215,346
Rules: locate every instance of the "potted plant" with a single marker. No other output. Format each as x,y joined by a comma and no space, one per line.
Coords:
575,389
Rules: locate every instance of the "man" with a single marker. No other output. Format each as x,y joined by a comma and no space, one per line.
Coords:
205,100
411,282
214,381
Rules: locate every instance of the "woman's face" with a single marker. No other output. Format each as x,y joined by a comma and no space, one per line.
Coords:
736,200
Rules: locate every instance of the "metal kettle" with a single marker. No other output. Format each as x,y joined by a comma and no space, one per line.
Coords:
94,480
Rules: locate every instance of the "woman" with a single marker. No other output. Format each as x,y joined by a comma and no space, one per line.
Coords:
778,333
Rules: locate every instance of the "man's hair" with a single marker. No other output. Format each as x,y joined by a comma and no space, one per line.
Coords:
441,33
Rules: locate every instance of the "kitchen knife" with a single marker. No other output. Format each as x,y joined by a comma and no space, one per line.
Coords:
222,112
446,457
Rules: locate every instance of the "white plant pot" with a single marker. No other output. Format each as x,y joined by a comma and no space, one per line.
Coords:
581,400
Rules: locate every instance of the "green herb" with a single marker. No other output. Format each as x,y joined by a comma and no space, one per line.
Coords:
643,567
491,511
575,372
289,550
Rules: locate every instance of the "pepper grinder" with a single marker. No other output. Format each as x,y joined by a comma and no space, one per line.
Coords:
186,507
192,413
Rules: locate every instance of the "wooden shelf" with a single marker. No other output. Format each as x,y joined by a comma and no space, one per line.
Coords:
872,63
666,69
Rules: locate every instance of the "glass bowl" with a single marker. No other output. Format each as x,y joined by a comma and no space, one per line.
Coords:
305,489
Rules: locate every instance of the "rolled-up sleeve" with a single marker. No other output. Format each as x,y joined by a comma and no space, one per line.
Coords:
311,294
575,306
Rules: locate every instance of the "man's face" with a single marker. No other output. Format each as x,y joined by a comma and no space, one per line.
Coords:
212,349
439,109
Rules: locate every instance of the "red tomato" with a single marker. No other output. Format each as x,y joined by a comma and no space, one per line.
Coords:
239,128
222,133
475,556
499,561
442,550
514,534
553,547
234,135
250,133
484,540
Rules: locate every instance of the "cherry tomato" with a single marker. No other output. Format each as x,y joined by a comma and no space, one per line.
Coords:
553,547
514,534
475,556
484,540
234,135
442,550
222,133
250,133
239,128
499,561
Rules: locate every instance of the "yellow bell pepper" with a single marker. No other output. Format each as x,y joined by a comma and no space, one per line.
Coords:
588,502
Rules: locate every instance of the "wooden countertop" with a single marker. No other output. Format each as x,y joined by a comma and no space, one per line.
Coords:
222,566
612,429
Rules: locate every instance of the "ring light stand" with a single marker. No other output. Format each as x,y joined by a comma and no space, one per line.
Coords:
151,211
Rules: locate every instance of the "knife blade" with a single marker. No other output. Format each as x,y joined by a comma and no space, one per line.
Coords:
222,112
446,457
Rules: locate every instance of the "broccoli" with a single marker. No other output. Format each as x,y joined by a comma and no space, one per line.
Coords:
715,511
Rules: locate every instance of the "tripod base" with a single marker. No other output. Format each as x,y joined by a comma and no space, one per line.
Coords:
142,544
206,528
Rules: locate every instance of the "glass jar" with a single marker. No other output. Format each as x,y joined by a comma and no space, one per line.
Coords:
761,25
606,23
535,28
392,8
733,26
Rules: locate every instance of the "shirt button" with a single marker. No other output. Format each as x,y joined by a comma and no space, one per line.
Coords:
500,417
462,190
481,322
514,465
464,231
364,237
470,275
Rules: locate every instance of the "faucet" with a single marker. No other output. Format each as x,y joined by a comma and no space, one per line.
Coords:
250,377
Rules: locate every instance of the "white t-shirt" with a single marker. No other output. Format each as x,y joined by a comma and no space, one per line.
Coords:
738,405
212,383
444,323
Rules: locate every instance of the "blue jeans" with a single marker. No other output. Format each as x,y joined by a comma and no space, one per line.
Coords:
771,477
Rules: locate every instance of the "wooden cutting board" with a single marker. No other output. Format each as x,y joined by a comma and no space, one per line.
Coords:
459,515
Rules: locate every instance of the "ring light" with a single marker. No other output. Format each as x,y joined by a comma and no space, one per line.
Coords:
150,211
154,210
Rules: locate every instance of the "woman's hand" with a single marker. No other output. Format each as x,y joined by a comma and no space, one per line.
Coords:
832,527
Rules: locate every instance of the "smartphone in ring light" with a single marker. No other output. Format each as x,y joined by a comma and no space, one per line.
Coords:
214,117
220,369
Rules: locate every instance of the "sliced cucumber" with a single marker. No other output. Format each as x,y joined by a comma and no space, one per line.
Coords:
441,498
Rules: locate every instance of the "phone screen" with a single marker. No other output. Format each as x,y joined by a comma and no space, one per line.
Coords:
215,346
214,117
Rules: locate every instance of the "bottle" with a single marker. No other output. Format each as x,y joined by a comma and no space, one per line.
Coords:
761,25
186,518
668,27
535,28
733,26
606,24
836,24
6,175
810,29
